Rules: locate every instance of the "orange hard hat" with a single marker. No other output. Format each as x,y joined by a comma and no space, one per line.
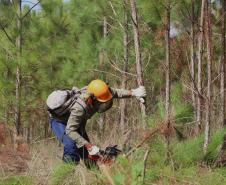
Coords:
100,90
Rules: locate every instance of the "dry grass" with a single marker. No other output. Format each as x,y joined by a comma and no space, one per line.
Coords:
44,167
43,158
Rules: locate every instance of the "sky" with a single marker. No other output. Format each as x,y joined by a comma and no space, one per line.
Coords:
30,3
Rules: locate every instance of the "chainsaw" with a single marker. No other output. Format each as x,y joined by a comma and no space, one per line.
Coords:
106,156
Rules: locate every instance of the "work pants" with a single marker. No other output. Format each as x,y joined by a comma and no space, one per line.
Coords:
71,152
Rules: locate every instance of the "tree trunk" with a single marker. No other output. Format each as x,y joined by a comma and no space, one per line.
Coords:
193,57
222,154
199,84
46,122
209,69
223,58
7,102
33,129
168,63
18,75
105,28
167,37
138,54
102,118
125,69
28,134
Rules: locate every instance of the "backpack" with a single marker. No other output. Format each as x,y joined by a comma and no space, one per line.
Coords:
59,102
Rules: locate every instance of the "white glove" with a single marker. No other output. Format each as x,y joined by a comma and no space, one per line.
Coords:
139,92
92,149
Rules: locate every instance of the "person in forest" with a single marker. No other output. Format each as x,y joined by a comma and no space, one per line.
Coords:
70,109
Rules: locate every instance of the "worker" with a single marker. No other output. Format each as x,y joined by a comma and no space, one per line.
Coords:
70,109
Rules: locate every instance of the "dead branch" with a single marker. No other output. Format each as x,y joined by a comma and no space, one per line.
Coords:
145,163
118,69
151,134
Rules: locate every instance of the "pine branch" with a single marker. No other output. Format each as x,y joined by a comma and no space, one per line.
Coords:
30,10
7,35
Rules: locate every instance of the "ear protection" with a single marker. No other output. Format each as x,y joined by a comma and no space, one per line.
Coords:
91,99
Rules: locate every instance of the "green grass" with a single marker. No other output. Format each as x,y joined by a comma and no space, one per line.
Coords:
213,147
16,180
60,173
188,152
187,164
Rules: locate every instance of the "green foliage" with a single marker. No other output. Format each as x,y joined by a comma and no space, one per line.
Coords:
132,170
182,110
161,108
62,45
158,151
119,179
188,152
217,177
16,180
214,144
60,173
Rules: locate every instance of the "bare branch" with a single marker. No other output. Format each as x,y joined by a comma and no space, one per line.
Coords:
145,164
30,10
7,35
106,72
113,9
118,69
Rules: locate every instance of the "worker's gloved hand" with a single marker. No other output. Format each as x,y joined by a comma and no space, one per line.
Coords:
92,149
139,93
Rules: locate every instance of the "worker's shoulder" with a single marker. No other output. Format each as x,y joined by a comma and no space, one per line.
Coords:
81,103
84,96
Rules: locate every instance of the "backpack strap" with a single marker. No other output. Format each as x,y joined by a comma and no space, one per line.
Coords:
83,104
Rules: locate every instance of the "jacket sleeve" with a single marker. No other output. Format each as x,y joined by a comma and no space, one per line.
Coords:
75,121
121,93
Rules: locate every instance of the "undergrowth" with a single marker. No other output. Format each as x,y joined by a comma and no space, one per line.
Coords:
16,180
187,164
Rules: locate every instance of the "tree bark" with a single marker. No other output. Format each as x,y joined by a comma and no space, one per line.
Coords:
199,79
7,74
105,27
223,58
167,37
138,54
18,72
46,122
193,57
222,154
209,74
168,63
102,118
125,69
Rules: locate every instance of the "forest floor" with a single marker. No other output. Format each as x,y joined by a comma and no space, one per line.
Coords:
42,165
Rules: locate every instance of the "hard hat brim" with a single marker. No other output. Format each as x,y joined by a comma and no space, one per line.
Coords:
105,98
